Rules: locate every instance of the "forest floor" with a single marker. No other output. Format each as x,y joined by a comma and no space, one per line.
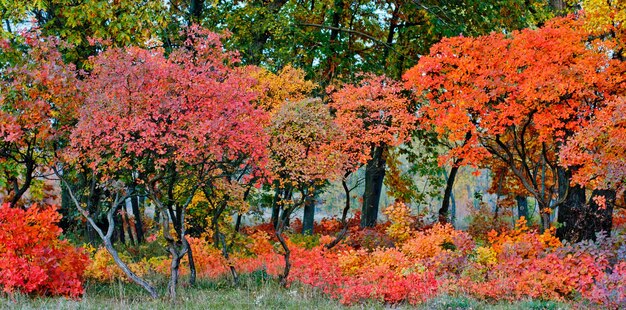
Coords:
253,293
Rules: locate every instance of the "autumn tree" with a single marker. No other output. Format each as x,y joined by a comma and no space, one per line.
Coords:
38,104
517,98
606,19
374,116
302,159
597,151
167,125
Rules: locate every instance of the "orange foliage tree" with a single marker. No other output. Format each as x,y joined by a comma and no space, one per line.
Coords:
517,98
597,151
373,116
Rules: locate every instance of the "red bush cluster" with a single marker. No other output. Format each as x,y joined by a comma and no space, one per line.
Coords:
32,258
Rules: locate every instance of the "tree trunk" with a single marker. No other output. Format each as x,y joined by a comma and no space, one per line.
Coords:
522,206
374,175
545,221
344,215
393,24
174,270
276,208
119,228
233,271
600,216
558,6
308,219
572,216
573,211
133,277
331,62
452,209
106,238
195,11
192,264
138,220
447,194
287,255
126,227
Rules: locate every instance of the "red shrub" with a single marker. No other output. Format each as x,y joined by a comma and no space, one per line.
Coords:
32,258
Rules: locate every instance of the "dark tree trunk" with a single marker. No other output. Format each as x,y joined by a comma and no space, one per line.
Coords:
558,6
447,195
308,219
600,217
119,229
262,34
572,216
287,255
231,266
192,264
573,211
522,206
393,24
452,209
195,11
331,63
374,175
138,221
276,208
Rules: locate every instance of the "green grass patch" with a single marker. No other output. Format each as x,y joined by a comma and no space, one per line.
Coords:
255,291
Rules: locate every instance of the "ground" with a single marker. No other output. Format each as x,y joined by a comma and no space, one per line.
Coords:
254,292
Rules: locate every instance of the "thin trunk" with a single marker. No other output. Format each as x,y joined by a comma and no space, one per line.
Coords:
120,229
393,24
195,11
452,209
342,234
192,264
106,238
308,219
19,191
126,230
331,63
233,271
276,208
129,273
238,222
447,194
287,255
374,175
138,220
522,206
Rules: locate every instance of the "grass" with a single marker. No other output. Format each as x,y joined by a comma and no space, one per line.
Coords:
255,291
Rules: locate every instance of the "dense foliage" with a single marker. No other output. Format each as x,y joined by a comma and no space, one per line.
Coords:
32,258
514,264
197,139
